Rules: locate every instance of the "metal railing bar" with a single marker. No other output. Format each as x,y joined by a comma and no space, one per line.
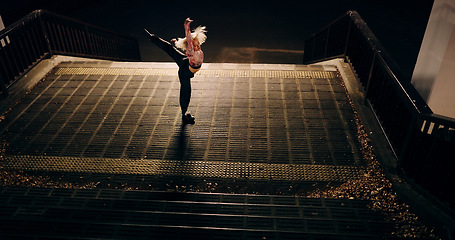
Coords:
31,45
347,39
21,50
436,118
78,40
403,115
4,74
42,34
367,87
46,30
399,84
10,54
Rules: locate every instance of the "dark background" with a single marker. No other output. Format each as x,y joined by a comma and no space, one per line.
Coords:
245,31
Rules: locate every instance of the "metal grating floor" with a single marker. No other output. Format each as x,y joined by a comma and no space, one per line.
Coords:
125,117
194,169
260,129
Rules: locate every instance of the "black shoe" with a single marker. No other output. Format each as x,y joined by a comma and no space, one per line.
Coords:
188,119
151,35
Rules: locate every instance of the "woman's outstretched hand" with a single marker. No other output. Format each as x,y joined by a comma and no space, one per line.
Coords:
188,21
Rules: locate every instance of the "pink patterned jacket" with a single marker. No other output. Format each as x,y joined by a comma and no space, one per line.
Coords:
195,57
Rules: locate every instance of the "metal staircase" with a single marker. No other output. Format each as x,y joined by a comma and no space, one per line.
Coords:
95,130
97,150
55,213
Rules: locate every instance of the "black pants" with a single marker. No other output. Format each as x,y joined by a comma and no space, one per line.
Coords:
185,74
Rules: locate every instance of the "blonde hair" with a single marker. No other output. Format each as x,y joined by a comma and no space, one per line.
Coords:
198,33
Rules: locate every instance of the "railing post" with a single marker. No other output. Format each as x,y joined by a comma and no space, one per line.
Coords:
89,41
3,87
46,35
312,48
367,87
407,139
326,42
347,39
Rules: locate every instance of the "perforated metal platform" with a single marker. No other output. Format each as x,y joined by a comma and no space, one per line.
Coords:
253,73
100,128
252,120
195,169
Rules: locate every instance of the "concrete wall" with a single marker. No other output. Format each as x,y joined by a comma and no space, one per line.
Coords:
434,74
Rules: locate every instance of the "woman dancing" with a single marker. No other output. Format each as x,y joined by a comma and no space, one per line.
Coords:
189,63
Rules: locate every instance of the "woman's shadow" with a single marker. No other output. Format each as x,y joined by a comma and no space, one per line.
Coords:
178,148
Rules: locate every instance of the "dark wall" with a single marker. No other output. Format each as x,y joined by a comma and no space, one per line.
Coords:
399,25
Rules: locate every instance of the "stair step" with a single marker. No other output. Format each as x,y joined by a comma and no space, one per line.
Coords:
122,214
25,229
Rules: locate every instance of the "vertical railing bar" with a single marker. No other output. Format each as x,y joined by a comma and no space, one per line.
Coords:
35,40
65,39
367,87
347,39
99,41
110,48
53,44
82,42
56,44
312,48
429,153
71,39
27,50
435,129
113,49
30,44
398,126
103,45
59,47
326,42
75,39
18,51
60,38
15,52
95,45
3,87
46,35
445,132
116,49
88,40
78,40
7,65
68,38
85,42
426,127
93,39
13,60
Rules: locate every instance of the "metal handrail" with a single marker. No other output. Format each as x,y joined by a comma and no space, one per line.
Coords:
42,34
418,137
